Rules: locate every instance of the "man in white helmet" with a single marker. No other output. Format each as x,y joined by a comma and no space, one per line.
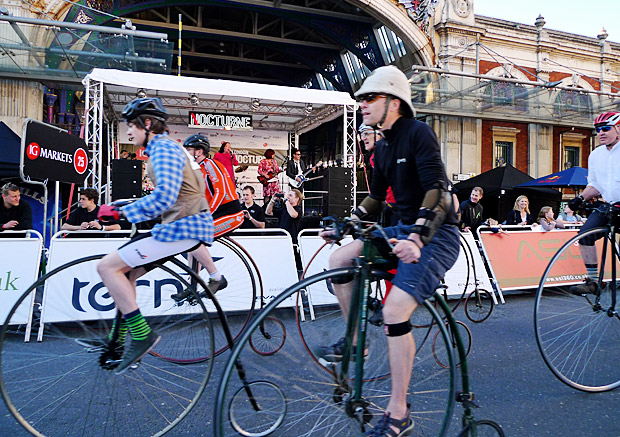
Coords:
426,239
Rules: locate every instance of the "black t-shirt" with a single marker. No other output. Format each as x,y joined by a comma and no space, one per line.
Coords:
257,214
81,215
287,222
22,213
471,215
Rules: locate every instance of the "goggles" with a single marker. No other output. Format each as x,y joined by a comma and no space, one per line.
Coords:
603,129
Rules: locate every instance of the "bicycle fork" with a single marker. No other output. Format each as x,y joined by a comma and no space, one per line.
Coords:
355,405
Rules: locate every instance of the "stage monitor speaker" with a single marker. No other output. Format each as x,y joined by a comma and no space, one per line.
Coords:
337,204
126,179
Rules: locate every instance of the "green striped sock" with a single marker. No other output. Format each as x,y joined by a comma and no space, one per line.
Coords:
122,331
137,325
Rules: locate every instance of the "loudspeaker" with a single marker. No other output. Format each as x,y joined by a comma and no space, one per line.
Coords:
126,179
338,205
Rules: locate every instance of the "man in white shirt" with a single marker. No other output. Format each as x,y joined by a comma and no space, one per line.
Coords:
603,180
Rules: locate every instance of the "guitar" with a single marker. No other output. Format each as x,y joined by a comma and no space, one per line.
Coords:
293,181
266,180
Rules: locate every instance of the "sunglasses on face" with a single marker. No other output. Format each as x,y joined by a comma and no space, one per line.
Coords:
369,98
603,129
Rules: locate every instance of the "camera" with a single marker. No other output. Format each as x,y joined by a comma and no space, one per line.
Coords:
279,195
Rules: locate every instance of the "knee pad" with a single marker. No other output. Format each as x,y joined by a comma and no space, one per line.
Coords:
397,329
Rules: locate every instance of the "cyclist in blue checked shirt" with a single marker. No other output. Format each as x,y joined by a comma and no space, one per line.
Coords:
186,221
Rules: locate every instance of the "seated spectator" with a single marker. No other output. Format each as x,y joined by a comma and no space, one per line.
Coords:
253,215
471,211
546,220
520,215
288,209
15,213
569,216
85,216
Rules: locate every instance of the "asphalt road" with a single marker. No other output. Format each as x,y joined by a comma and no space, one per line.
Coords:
509,378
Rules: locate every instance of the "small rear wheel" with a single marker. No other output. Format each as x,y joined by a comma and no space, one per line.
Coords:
269,337
482,428
439,352
479,305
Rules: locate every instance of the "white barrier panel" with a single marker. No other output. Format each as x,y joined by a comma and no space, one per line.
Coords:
455,277
87,299
272,252
309,244
19,267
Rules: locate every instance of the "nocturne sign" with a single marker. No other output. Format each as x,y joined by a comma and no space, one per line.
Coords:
52,153
212,120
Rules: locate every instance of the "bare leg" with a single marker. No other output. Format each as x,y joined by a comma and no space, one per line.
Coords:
204,258
343,258
398,308
588,254
112,270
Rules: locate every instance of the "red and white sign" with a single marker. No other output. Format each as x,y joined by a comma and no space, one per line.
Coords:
51,153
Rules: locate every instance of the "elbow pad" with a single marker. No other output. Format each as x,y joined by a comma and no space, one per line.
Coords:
435,206
370,205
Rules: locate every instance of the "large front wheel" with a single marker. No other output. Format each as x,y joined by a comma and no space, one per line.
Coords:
287,393
57,380
577,331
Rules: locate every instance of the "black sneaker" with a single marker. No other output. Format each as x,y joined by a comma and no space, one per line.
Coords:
384,427
334,352
137,350
215,286
589,286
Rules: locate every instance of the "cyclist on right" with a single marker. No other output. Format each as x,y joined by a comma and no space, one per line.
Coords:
603,180
426,239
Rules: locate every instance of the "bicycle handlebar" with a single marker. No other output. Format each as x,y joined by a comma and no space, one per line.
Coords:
353,226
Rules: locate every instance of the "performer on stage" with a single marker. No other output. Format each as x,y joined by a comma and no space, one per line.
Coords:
228,158
267,170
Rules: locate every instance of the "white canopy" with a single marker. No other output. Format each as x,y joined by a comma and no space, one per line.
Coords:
281,108
218,87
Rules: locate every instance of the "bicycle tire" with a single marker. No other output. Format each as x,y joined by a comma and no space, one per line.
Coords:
466,338
238,299
58,386
484,428
578,340
479,305
311,407
269,338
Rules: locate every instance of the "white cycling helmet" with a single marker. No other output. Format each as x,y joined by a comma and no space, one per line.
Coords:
364,127
389,80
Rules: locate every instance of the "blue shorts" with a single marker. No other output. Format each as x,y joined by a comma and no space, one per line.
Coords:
422,278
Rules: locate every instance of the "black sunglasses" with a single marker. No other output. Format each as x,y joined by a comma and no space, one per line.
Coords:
370,97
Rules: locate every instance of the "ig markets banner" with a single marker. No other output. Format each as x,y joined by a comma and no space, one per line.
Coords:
52,153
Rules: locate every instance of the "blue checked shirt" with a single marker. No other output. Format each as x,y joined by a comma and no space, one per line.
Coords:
168,160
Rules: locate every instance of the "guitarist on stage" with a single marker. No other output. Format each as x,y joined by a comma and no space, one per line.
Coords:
267,170
295,168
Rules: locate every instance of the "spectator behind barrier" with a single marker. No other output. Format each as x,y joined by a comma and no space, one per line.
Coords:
15,213
470,211
288,209
520,215
253,215
569,216
85,216
546,220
